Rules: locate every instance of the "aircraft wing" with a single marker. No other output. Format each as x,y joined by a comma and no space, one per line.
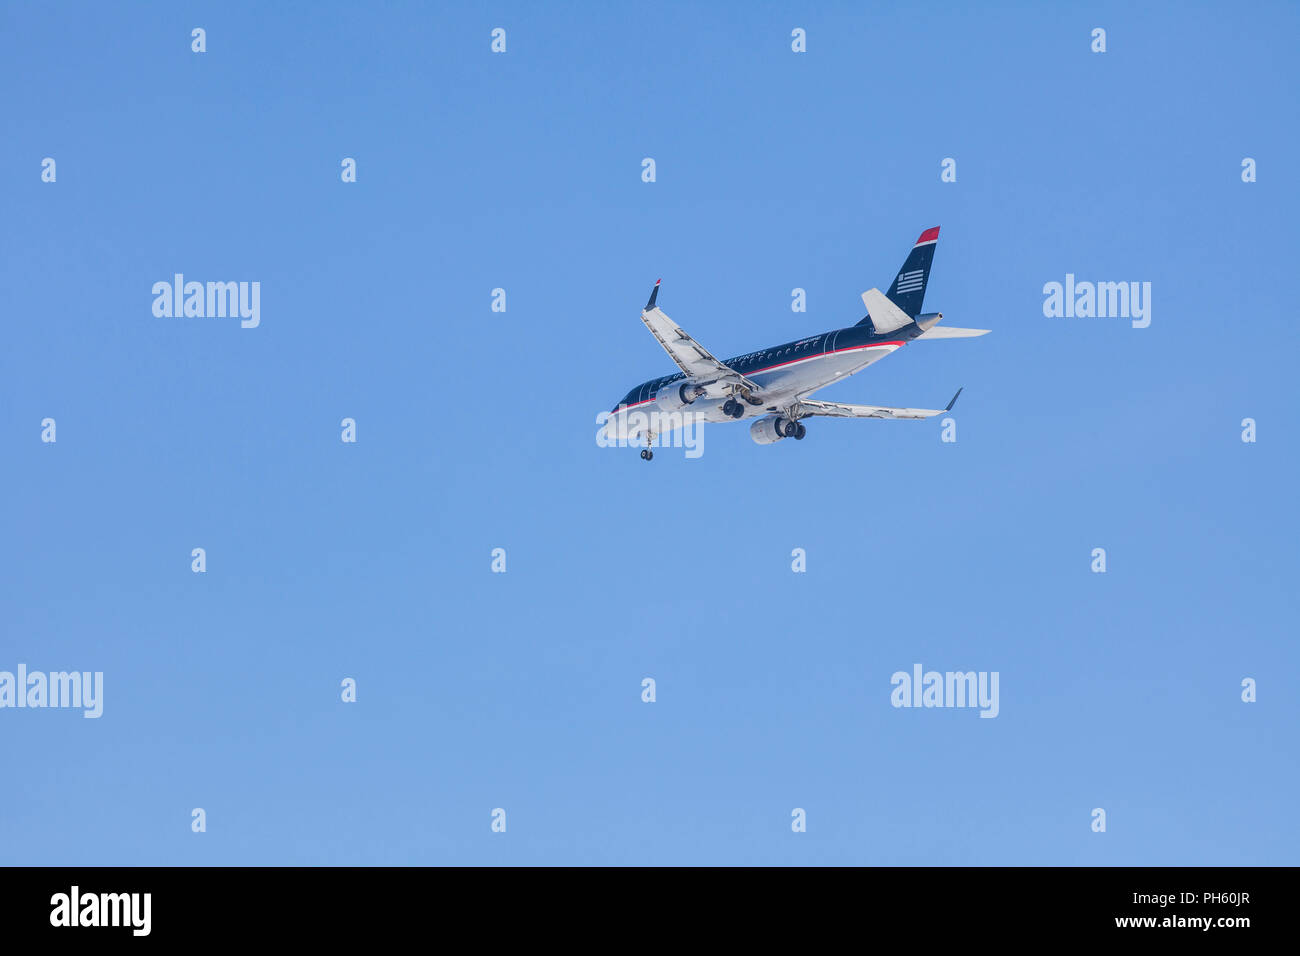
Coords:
691,357
808,407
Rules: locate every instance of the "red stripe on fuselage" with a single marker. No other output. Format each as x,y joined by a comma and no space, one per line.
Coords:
806,358
851,348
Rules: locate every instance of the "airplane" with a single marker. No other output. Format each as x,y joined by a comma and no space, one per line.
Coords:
773,385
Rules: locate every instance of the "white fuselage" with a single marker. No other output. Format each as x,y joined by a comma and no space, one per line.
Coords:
783,375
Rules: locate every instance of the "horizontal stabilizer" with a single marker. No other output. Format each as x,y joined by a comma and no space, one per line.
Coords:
951,332
885,315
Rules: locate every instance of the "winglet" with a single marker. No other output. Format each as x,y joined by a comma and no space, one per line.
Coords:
654,294
954,400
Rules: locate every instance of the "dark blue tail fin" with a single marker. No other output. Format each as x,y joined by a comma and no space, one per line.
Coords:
908,288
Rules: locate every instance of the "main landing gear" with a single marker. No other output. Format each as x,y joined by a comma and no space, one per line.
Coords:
795,430
733,408
647,454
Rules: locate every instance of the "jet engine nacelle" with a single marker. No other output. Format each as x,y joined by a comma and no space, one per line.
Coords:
677,395
767,430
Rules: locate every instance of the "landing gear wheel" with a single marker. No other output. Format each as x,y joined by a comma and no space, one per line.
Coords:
800,429
733,408
647,454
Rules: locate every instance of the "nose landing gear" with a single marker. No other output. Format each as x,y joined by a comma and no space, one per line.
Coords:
733,408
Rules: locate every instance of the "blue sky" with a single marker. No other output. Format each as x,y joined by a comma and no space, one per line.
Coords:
476,430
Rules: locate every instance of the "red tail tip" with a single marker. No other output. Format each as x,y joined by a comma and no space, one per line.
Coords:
929,235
